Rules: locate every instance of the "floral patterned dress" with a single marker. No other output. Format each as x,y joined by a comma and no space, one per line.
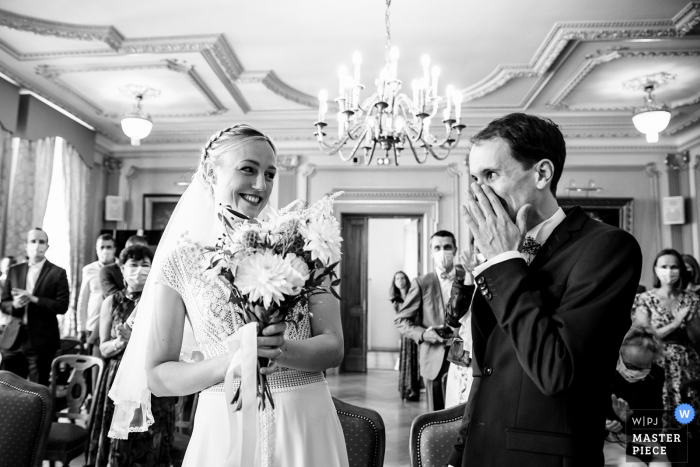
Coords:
151,448
681,362
409,371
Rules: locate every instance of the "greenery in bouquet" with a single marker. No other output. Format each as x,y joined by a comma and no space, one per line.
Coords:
274,264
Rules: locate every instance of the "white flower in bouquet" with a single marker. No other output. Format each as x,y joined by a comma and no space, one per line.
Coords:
299,265
323,239
268,277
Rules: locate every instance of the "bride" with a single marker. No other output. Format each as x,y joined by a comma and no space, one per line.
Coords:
237,168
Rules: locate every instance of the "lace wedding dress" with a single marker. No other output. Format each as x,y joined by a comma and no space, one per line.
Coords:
302,430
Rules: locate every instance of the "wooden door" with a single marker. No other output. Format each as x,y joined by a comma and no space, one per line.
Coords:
353,307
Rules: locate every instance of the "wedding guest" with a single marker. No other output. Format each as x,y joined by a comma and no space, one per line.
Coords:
90,296
552,307
149,448
409,374
667,308
422,316
637,386
111,279
691,264
460,376
35,292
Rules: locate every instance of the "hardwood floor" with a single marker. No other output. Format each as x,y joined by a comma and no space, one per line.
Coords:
378,390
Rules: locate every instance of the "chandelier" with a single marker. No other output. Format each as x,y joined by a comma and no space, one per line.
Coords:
137,125
388,118
653,118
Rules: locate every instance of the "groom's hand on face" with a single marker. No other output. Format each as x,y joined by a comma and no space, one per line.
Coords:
494,233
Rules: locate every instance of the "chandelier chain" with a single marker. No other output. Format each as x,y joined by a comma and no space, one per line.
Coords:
388,32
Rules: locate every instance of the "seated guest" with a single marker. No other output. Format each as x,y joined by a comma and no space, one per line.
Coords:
150,448
34,293
409,376
637,385
111,279
691,264
90,296
666,309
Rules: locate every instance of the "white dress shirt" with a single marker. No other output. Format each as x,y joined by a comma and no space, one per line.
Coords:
33,271
540,233
445,285
90,298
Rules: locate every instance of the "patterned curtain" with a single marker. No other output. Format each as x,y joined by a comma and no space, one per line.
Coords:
5,167
31,179
77,180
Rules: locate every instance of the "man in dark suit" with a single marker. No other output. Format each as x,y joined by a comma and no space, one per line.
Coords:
35,292
422,315
111,279
552,307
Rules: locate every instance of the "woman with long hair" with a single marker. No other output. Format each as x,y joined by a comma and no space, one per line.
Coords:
667,308
409,374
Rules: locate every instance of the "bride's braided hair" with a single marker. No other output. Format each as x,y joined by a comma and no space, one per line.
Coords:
224,141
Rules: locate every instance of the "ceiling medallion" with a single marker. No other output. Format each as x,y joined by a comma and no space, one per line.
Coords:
652,118
137,125
387,118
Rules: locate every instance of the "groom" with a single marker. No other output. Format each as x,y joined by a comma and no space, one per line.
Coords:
552,307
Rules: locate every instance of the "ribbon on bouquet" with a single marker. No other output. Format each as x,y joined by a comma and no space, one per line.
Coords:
244,347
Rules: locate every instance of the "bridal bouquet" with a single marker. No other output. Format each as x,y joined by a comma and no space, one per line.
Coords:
274,265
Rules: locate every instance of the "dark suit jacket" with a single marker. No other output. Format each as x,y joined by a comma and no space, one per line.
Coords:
52,290
111,279
421,309
546,341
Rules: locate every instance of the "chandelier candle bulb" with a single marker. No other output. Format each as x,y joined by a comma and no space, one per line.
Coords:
394,56
448,107
458,106
342,75
425,61
357,61
436,75
322,104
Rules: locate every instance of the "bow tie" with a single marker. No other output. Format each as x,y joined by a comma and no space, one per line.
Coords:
530,246
447,275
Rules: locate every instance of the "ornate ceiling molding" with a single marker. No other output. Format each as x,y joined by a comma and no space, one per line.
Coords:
690,121
564,32
106,34
272,82
213,47
593,61
53,74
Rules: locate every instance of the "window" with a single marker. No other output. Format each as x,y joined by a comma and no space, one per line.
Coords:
56,218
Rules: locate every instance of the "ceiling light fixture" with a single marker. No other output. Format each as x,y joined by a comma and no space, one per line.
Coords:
652,118
387,118
137,125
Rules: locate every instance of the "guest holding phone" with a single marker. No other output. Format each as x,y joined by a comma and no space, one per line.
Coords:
422,316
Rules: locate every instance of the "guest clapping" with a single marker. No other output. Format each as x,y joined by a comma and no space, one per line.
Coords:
666,308
150,448
409,374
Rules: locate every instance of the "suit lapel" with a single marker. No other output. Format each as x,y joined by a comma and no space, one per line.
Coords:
44,272
575,218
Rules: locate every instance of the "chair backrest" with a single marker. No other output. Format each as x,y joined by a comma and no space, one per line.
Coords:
71,346
76,389
184,424
433,434
365,437
27,411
